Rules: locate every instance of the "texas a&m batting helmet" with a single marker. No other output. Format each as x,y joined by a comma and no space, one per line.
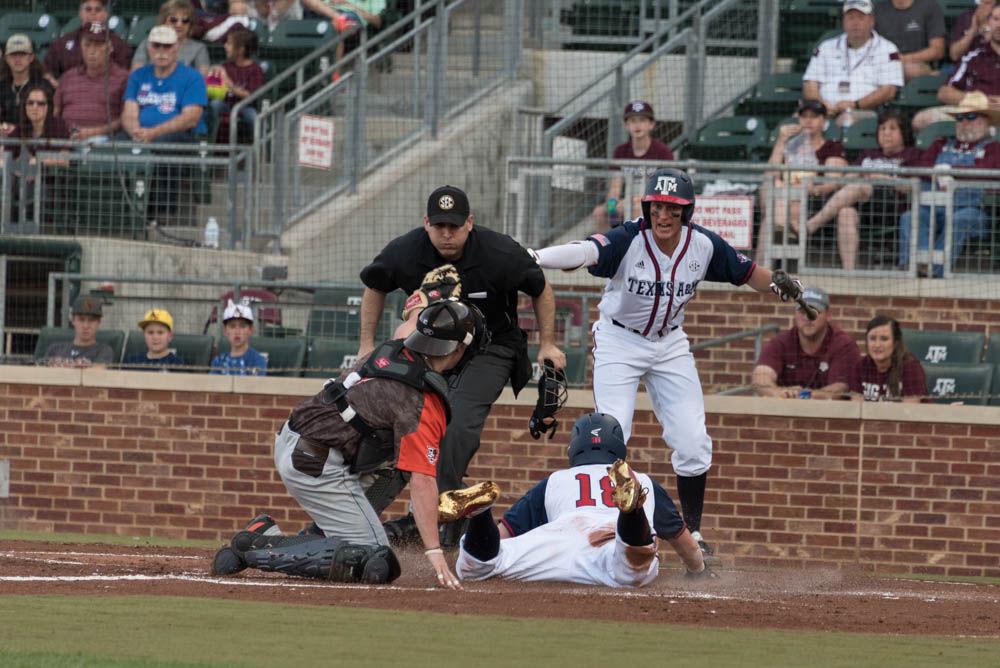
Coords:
669,185
597,439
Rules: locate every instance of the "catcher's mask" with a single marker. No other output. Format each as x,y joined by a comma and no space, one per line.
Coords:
445,324
669,185
552,395
597,439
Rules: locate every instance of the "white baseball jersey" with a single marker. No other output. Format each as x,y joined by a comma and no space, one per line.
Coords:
564,530
844,73
648,290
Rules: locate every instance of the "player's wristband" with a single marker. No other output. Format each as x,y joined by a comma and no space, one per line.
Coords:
433,550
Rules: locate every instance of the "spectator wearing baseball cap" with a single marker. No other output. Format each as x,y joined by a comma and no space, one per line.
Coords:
83,350
639,124
65,53
179,16
241,359
158,329
813,359
89,96
18,71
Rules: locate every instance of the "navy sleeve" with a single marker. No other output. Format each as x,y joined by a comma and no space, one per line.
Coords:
527,512
611,248
667,522
728,265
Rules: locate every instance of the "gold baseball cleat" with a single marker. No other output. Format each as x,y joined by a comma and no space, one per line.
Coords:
459,503
628,494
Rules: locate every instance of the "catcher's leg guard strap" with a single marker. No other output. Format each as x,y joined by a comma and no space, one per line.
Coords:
482,540
691,492
329,558
245,541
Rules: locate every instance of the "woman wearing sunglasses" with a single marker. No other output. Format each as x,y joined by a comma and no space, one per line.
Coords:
179,15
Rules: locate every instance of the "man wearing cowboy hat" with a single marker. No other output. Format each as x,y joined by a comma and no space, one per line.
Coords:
972,147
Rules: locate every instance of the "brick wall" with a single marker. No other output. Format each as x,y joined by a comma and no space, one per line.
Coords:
105,452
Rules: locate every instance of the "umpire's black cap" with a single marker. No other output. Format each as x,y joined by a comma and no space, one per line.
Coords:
447,205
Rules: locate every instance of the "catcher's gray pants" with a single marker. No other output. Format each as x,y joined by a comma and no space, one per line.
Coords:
330,493
471,394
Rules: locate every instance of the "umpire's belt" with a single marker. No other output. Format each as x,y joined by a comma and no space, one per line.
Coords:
636,331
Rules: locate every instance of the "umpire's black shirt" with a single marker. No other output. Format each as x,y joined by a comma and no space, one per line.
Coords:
493,268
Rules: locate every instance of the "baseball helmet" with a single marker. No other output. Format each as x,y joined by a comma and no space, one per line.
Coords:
597,439
669,185
445,324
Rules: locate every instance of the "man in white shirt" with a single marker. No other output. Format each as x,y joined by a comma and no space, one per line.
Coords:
855,73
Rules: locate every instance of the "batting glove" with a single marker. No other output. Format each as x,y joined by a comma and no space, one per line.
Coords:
785,296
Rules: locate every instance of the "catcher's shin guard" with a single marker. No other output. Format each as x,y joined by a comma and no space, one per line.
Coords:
330,559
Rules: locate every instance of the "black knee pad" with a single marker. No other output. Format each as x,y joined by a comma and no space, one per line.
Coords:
327,558
381,567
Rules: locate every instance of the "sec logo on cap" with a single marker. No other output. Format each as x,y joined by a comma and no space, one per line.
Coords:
446,203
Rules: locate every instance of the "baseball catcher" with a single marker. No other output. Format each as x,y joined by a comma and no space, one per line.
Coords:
552,395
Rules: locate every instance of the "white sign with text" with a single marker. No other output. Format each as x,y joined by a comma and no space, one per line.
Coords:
729,216
316,142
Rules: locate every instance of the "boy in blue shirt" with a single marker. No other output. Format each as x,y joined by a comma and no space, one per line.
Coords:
158,329
241,360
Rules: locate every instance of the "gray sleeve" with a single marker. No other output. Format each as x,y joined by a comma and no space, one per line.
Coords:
58,350
201,58
104,355
935,20
141,55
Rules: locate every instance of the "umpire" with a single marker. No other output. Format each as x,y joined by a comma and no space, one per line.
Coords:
492,268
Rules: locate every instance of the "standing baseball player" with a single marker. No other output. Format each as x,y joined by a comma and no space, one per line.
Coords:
654,265
589,523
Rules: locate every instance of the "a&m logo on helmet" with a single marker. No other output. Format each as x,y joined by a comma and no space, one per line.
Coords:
637,106
446,202
665,185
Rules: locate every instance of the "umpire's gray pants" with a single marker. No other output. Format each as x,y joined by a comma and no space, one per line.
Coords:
332,496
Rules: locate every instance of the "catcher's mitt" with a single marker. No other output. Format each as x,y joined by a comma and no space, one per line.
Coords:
441,283
552,395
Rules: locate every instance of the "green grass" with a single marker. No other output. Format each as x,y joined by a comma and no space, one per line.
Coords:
104,539
164,631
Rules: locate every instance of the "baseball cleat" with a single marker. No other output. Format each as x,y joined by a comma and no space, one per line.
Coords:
628,494
468,502
263,524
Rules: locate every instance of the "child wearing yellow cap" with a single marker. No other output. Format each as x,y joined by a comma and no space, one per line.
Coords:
158,329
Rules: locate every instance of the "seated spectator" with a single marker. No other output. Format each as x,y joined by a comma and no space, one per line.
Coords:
240,74
888,371
857,72
979,72
971,147
19,68
345,17
164,100
241,360
803,145
276,11
83,350
158,329
814,358
217,28
179,15
895,149
916,27
970,30
65,53
90,96
641,145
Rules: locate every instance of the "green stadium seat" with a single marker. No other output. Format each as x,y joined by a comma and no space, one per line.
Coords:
933,131
995,386
728,138
576,365
116,24
993,351
803,22
43,29
194,349
921,92
286,356
965,383
138,29
773,98
336,314
933,346
328,357
49,335
861,135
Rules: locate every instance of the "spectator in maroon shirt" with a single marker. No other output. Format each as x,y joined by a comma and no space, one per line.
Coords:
970,30
65,53
240,73
888,372
978,72
813,355
89,98
639,123
18,71
895,149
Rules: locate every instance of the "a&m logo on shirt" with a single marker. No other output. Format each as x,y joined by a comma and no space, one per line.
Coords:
665,185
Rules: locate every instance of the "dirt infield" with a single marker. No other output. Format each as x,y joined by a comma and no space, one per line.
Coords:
808,600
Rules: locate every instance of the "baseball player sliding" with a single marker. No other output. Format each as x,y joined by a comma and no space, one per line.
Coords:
589,523
653,266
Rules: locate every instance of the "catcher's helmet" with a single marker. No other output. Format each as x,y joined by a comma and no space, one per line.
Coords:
669,185
445,324
597,439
